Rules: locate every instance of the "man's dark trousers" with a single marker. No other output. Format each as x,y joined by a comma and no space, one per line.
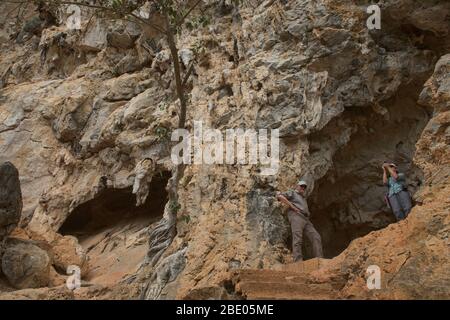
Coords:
299,226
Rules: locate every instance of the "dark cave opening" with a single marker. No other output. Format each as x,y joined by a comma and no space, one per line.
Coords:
114,232
348,202
114,206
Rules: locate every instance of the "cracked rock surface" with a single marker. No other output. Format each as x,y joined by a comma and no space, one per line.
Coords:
87,116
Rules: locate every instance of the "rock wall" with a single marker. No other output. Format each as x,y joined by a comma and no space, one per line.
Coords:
412,255
83,112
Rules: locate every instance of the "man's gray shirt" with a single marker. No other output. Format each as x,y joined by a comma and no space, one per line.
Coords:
298,201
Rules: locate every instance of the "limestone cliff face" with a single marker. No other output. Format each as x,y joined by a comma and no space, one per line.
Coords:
86,118
412,254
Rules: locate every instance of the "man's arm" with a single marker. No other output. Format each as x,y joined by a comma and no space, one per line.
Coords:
284,200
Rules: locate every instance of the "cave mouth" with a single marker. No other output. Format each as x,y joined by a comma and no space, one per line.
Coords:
348,202
114,232
112,206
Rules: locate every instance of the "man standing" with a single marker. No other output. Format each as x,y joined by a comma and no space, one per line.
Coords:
299,215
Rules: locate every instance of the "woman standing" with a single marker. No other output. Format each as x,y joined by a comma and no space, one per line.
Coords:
398,195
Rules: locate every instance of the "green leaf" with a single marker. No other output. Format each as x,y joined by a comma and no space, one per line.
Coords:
117,4
185,218
174,206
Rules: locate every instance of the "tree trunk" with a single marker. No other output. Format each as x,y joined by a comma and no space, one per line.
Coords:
165,231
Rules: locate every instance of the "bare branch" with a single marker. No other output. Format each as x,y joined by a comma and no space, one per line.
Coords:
157,28
98,7
15,8
179,23
177,71
188,73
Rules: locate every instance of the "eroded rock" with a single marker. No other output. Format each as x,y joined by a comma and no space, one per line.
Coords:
10,199
309,68
68,252
60,293
26,265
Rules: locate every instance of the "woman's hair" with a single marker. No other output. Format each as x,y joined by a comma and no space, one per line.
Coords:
394,168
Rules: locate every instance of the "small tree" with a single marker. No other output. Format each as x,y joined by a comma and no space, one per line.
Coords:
174,14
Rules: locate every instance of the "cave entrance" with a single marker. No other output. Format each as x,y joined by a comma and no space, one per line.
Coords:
348,202
113,231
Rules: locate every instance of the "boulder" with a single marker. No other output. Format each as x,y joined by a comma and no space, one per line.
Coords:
10,199
25,265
